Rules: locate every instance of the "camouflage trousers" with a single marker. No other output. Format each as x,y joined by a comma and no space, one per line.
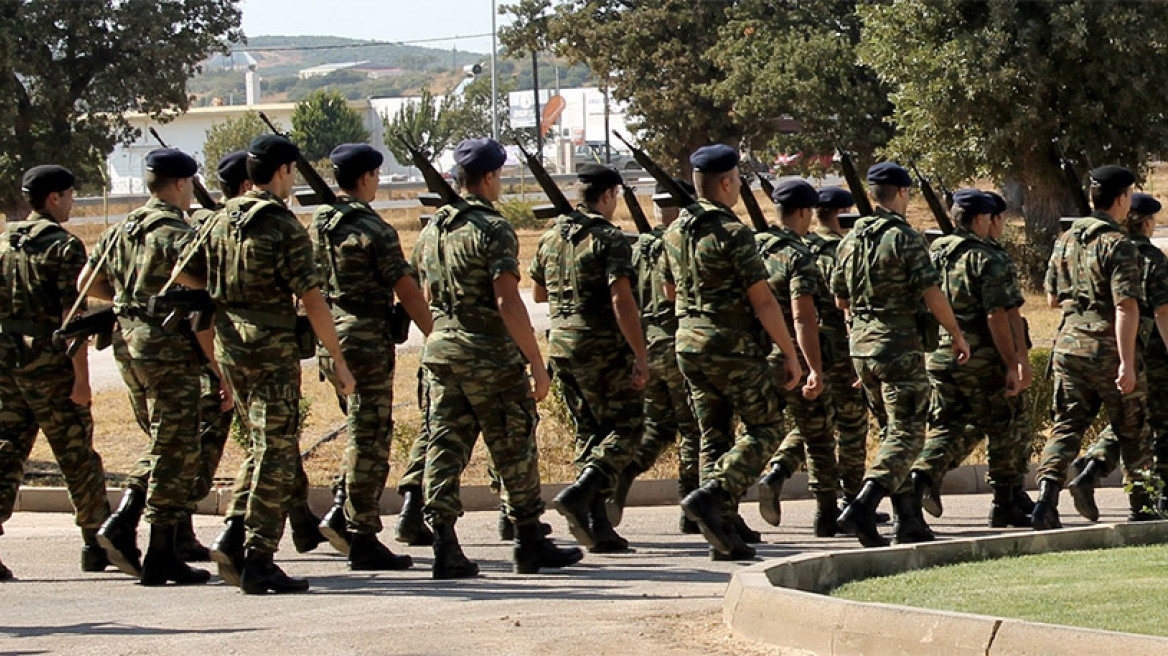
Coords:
1082,385
968,403
267,399
721,387
465,399
596,383
897,389
813,440
369,417
36,396
669,419
1022,437
1107,448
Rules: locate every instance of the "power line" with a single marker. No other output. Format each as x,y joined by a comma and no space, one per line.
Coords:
369,44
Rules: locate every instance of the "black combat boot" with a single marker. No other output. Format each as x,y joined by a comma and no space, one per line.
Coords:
261,575
1082,487
739,549
1046,515
306,534
93,557
859,517
367,553
931,497
575,504
162,564
5,573
333,525
411,526
881,517
705,507
1022,500
533,550
507,527
1004,510
685,525
227,550
826,514
449,561
620,496
187,544
770,489
909,526
119,534
607,539
1140,503
748,535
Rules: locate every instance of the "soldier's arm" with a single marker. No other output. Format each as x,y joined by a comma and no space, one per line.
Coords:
1161,316
415,303
1018,328
206,340
518,324
1003,335
939,306
1127,324
81,394
99,288
766,308
539,293
322,324
807,335
628,318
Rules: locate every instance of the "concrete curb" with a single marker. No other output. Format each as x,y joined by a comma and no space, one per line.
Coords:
781,602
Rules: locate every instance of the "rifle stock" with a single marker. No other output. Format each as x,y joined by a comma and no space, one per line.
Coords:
553,193
939,214
434,180
1071,179
751,203
72,336
765,185
323,193
855,185
679,194
635,209
201,193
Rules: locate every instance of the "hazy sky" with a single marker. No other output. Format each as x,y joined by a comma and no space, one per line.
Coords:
382,20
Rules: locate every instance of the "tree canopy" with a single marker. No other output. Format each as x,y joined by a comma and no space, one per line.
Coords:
229,136
324,120
424,123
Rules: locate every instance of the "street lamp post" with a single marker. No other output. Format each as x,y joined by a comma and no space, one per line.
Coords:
494,79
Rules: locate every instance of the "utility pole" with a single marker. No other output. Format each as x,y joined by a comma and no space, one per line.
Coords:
494,78
538,116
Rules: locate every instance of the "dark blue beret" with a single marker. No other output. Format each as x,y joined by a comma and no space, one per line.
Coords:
1144,204
599,175
685,184
999,202
480,155
232,169
355,158
1112,177
836,198
45,179
795,194
716,158
273,149
889,173
973,201
171,163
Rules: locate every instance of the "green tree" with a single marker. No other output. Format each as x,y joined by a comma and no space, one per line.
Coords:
467,114
981,88
229,136
421,122
70,71
324,120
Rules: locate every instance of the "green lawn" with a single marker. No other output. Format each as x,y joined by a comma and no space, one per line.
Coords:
1114,589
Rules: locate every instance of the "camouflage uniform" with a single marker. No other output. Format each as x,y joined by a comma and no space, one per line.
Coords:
713,259
362,260
1094,266
162,367
477,379
882,269
256,257
39,265
666,409
793,273
577,260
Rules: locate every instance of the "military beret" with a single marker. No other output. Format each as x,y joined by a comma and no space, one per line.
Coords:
1144,204
835,198
273,149
716,158
355,158
45,179
599,175
171,163
999,202
1112,177
480,155
795,194
974,201
889,173
684,184
233,168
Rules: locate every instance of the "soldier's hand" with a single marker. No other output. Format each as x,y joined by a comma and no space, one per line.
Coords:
543,383
961,348
346,384
640,373
814,385
1025,374
81,393
1125,382
794,373
1013,382
226,398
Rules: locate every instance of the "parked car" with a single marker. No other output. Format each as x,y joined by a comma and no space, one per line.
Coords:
593,152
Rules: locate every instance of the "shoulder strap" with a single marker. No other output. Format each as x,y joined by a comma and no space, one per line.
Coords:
696,214
444,221
1086,230
18,271
324,249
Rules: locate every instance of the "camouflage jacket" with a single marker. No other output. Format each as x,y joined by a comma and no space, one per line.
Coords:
144,248
658,318
1155,281
823,243
793,271
256,257
360,257
459,255
712,259
975,281
39,266
1093,267
578,259
1013,282
882,269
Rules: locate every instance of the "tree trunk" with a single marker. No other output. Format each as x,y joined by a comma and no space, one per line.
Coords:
1044,201
15,207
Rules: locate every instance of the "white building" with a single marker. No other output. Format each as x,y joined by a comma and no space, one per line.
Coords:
325,69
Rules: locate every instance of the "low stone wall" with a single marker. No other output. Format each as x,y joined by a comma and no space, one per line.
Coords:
781,602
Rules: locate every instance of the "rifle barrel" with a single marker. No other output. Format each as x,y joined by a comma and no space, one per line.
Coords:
324,193
201,193
683,197
855,185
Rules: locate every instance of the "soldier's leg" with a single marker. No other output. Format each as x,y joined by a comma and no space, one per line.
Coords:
1156,360
1073,408
1128,420
214,428
659,408
904,393
949,410
851,420
18,430
816,420
411,527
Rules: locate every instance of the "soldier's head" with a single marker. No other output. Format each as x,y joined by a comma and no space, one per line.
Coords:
479,167
1111,190
667,215
1141,218
169,176
833,201
998,217
971,210
48,188
232,174
715,173
600,188
357,168
889,184
796,200
271,163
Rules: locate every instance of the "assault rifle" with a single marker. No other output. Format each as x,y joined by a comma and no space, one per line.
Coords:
201,193
751,203
559,204
1072,181
323,194
767,187
855,185
73,335
180,303
940,215
434,180
635,209
681,197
